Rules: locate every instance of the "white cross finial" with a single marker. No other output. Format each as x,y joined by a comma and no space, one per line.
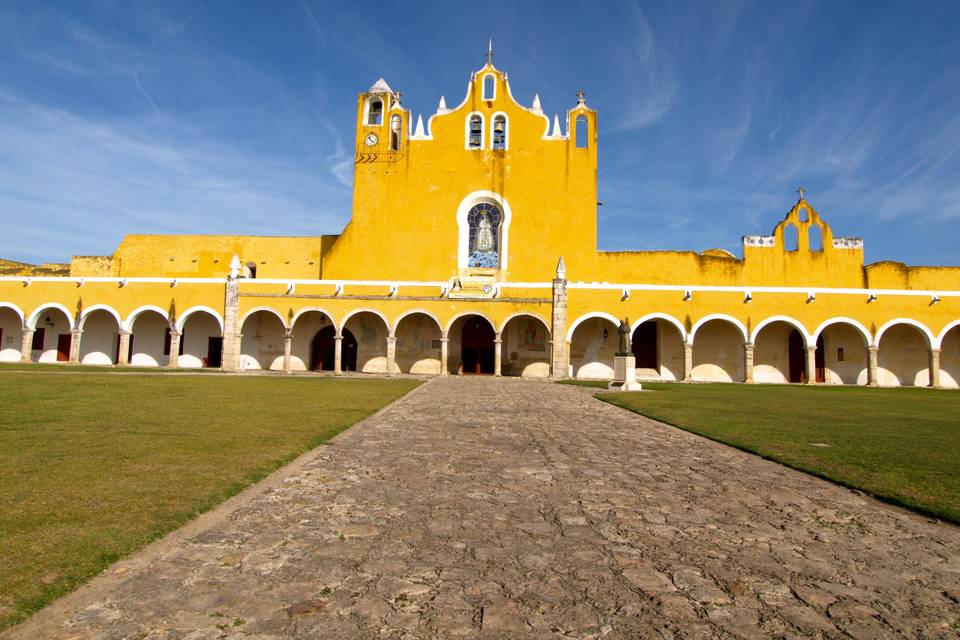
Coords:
801,191
490,52
581,95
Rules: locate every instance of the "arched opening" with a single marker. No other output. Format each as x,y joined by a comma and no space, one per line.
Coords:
371,342
499,132
100,340
525,348
395,131
902,360
375,112
323,349
592,347
475,131
303,346
202,342
803,214
11,335
484,220
950,359
718,352
418,344
51,337
842,352
779,354
581,132
815,238
261,346
476,345
489,87
657,347
150,340
791,238
250,270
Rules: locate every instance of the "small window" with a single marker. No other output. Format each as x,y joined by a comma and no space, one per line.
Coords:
499,139
839,354
395,128
375,112
804,214
250,270
475,132
489,88
815,237
582,132
791,238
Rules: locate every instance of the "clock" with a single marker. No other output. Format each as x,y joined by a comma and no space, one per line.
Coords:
370,140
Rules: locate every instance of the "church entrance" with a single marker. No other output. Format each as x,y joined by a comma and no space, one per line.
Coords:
644,345
797,358
323,350
477,351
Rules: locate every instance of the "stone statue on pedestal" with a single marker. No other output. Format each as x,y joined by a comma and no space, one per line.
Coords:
624,332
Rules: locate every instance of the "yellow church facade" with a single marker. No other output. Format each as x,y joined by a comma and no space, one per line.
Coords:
449,265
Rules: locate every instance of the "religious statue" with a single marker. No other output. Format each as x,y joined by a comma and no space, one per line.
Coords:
624,331
484,234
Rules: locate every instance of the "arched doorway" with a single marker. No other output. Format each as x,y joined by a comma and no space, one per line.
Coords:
100,340
796,358
11,335
950,359
718,352
51,336
903,357
657,347
418,344
526,347
592,346
323,349
476,346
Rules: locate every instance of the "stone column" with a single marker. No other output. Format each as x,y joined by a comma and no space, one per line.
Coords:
337,354
934,367
174,361
872,357
287,348
123,350
26,345
444,353
391,355
687,361
559,353
812,365
747,362
75,335
497,356
230,360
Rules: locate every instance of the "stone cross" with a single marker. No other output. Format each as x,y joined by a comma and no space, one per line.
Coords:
581,95
801,191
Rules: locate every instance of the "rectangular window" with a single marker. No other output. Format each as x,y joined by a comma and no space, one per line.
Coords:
839,354
38,337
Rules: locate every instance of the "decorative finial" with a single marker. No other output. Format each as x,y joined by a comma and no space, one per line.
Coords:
536,102
581,96
235,267
801,191
561,270
490,52
397,96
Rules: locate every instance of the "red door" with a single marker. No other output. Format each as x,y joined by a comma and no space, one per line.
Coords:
63,347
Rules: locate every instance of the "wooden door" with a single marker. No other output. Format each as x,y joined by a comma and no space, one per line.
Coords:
797,357
477,351
63,347
820,361
215,352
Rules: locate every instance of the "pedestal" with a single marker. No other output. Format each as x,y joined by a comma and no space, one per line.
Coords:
624,374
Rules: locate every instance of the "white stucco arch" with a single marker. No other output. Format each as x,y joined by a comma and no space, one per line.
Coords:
796,324
412,312
100,307
347,317
32,320
943,334
506,129
269,310
867,337
593,314
719,316
182,320
661,316
333,321
465,314
133,315
463,228
931,339
522,314
17,310
466,131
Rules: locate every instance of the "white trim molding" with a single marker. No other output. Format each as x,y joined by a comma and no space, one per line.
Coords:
932,341
587,316
182,319
796,324
463,227
719,316
32,320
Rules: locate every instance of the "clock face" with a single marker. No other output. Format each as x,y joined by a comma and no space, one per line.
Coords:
370,140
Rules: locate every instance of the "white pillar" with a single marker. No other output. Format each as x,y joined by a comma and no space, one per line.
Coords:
337,353
123,350
174,361
811,365
872,358
934,367
26,345
497,355
687,361
75,336
748,362
391,355
444,353
287,348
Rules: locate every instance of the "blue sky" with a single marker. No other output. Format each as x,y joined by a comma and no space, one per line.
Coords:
237,117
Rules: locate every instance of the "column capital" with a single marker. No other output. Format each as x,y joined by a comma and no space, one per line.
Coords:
873,348
749,345
391,338
124,332
76,332
934,351
288,333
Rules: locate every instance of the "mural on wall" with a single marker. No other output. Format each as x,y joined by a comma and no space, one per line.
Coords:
534,336
484,220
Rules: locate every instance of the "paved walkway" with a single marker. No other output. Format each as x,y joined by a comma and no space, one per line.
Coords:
515,509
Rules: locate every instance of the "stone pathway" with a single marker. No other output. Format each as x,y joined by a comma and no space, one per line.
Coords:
515,509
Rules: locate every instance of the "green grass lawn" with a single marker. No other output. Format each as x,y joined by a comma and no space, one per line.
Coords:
901,445
95,466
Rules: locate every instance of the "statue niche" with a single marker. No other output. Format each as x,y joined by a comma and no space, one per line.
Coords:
484,250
